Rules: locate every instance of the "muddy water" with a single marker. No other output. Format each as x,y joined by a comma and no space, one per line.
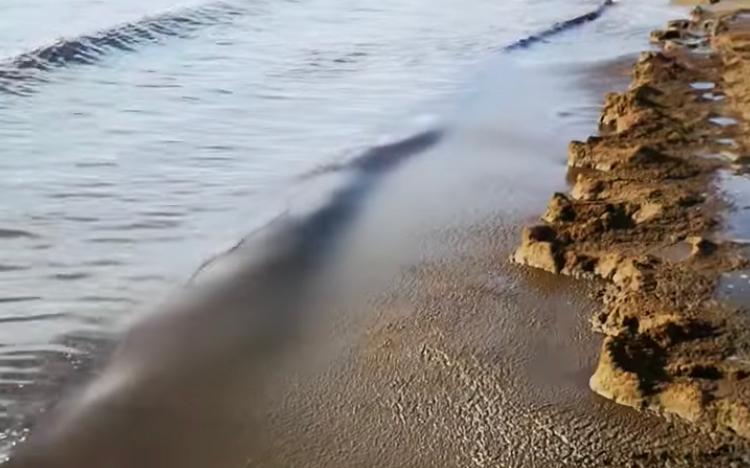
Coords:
456,359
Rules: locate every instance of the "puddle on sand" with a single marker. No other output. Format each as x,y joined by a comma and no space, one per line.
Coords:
736,189
723,121
691,42
722,156
674,253
713,96
739,159
734,288
702,50
727,142
702,85
730,156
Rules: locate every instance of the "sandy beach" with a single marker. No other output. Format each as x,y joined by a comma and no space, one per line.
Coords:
475,344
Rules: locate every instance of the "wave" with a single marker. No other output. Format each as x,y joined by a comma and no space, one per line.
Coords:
19,74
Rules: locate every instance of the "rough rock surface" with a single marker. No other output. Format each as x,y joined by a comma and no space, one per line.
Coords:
644,186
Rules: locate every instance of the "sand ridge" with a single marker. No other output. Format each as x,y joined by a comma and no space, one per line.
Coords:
644,218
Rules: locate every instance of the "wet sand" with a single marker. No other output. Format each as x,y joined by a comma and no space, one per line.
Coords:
468,362
465,361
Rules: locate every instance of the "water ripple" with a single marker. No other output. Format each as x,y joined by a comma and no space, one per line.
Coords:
11,299
30,318
6,233
20,73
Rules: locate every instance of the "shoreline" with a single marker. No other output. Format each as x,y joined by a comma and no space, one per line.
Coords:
466,361
463,361
645,216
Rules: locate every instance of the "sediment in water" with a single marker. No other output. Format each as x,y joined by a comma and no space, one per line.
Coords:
646,189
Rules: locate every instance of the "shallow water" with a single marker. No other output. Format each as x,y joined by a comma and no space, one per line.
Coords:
135,170
734,288
121,176
703,85
736,189
723,121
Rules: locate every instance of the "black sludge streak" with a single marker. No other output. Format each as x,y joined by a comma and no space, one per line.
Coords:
321,227
560,27
310,238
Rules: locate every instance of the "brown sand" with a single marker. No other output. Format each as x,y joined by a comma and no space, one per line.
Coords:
465,361
644,216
